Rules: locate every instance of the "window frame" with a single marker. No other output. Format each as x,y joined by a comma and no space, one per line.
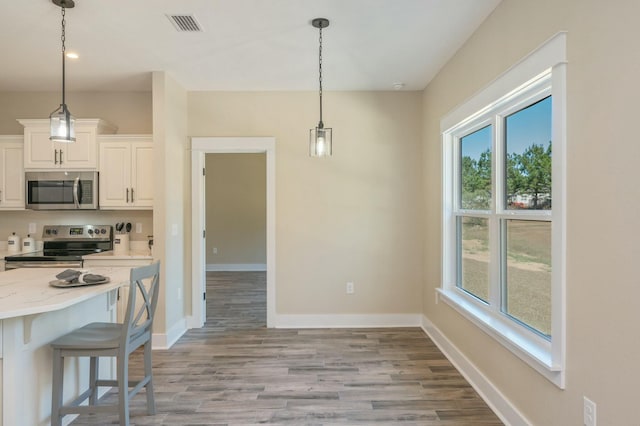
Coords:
542,73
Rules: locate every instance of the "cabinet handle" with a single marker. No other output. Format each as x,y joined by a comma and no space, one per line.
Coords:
127,195
132,195
55,160
60,156
0,195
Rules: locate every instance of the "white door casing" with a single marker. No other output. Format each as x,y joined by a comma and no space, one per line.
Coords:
228,145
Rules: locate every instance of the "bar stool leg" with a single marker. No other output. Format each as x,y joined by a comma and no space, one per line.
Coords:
151,403
93,378
57,391
123,388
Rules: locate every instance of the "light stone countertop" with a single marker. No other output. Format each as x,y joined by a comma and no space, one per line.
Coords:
111,255
4,253
27,291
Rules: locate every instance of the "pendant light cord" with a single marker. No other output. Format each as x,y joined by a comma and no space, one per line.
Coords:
63,52
321,124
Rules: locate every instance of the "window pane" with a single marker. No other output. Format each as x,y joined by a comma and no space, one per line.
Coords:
473,256
475,168
527,280
528,159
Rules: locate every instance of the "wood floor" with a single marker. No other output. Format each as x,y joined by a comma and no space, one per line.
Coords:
235,371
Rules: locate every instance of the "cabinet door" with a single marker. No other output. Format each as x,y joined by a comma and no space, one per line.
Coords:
39,151
142,174
12,176
82,153
115,174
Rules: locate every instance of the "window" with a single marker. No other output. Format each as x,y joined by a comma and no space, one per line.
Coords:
503,218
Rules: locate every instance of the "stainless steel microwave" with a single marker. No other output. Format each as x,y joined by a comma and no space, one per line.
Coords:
63,190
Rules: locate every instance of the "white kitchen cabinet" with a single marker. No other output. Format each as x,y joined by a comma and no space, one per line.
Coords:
126,172
97,261
11,173
42,154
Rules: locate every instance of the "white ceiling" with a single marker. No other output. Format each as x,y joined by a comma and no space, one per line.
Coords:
245,45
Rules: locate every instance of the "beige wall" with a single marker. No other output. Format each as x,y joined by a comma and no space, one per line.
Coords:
170,198
130,111
353,217
603,347
18,221
236,201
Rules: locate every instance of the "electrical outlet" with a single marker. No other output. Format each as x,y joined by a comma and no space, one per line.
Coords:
589,412
138,228
32,228
179,293
215,250
350,288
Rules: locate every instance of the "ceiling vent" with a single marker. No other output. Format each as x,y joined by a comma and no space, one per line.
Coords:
185,23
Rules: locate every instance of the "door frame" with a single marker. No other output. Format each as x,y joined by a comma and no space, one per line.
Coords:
228,145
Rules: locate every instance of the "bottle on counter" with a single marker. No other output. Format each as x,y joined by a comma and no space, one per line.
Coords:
13,243
28,244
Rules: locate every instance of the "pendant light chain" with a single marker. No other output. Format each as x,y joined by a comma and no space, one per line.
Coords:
321,125
63,38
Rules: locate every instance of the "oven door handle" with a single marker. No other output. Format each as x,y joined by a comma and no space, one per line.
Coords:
76,196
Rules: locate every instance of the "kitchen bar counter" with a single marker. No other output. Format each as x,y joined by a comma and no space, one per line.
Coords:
27,291
32,314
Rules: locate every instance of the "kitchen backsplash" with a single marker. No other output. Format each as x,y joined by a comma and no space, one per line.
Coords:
18,221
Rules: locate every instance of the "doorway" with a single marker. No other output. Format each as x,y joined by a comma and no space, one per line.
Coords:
200,146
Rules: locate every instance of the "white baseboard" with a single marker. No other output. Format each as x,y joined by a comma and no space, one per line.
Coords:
235,267
347,321
487,391
165,341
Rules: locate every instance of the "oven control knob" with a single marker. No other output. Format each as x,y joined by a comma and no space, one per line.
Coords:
54,231
90,231
103,231
48,231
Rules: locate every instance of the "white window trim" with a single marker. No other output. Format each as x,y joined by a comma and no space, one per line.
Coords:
548,61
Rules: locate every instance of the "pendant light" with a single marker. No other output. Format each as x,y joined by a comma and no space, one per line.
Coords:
320,138
62,122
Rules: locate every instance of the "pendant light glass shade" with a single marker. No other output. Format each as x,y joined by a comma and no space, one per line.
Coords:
62,125
320,142
62,122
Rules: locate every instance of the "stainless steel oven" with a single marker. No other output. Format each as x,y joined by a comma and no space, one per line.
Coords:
64,246
63,190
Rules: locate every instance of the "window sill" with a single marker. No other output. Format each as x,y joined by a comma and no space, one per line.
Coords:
536,354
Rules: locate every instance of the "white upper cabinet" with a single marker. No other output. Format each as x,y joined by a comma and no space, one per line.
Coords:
11,173
41,154
126,172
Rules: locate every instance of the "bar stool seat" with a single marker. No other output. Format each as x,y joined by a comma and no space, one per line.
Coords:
97,335
100,339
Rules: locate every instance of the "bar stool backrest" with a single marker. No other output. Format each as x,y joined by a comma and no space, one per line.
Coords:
138,319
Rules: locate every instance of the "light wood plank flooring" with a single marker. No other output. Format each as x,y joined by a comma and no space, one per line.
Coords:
235,371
